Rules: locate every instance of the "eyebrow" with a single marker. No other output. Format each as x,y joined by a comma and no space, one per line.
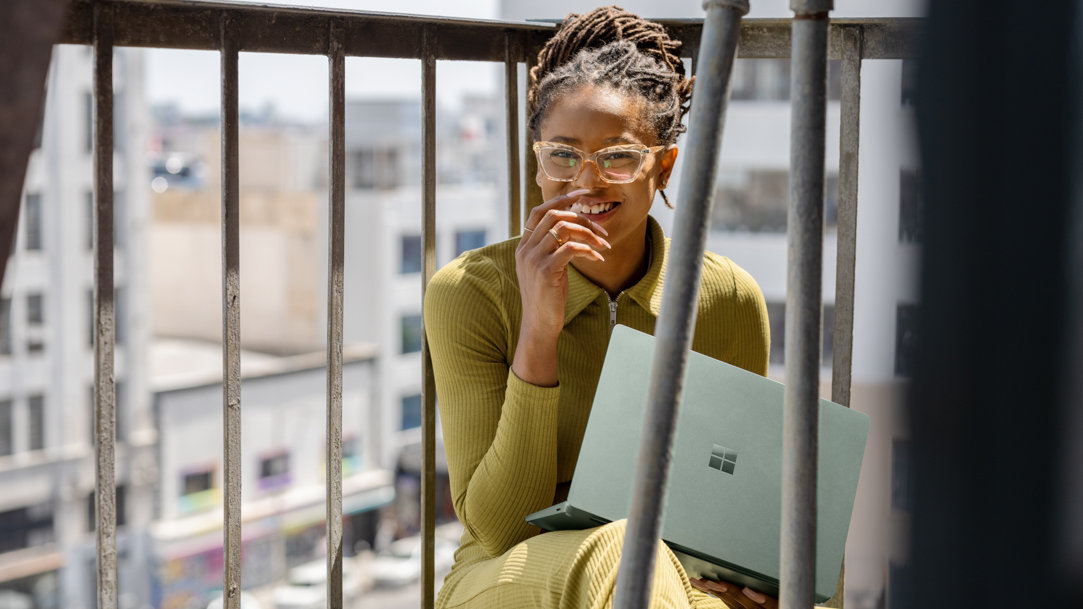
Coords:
609,141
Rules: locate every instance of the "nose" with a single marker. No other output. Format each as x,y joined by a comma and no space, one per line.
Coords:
589,177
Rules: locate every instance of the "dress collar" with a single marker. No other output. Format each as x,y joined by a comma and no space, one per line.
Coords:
647,292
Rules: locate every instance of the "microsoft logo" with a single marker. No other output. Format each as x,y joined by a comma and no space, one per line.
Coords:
723,459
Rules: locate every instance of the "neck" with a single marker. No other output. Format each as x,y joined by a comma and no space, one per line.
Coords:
624,265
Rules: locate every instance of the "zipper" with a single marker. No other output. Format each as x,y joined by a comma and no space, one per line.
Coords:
613,312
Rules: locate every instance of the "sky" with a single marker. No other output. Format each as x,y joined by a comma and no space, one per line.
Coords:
296,85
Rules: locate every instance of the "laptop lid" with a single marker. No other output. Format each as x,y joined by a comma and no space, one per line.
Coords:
723,500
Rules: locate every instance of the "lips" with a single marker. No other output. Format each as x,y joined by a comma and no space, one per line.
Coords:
592,207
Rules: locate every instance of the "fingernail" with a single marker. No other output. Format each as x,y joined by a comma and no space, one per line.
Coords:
606,243
756,596
598,227
576,193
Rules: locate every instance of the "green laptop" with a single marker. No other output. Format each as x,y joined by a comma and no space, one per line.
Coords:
723,502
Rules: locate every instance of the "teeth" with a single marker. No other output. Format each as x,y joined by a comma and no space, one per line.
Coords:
596,208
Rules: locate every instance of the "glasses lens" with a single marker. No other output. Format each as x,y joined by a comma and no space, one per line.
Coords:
560,163
619,165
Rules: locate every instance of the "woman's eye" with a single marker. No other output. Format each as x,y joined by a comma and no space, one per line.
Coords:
564,157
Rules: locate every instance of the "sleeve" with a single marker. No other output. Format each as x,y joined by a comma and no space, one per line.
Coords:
749,325
500,433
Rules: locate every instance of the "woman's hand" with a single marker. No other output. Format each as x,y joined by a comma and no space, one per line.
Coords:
552,238
734,596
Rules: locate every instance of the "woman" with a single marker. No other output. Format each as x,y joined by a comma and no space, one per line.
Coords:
518,330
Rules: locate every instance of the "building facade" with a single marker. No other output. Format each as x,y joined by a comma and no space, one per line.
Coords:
47,541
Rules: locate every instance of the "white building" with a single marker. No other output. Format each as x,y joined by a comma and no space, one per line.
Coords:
283,465
46,353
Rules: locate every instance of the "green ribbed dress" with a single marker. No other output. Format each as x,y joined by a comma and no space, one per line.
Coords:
512,446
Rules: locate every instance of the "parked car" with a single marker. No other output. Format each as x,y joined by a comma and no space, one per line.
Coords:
400,564
306,586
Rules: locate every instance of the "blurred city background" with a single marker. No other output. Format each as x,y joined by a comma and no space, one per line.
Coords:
168,315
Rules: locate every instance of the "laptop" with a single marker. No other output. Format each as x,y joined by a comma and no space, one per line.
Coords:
723,504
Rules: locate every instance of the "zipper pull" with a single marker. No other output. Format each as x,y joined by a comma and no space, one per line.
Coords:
612,314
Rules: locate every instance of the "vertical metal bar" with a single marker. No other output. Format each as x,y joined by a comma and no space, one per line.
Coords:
511,95
231,318
721,30
533,191
335,285
849,141
428,384
104,312
803,301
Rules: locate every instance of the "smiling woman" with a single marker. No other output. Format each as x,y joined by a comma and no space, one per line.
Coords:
518,330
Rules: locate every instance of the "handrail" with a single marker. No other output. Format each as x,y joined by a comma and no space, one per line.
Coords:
235,27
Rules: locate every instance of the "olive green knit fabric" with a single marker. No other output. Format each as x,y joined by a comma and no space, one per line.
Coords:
512,446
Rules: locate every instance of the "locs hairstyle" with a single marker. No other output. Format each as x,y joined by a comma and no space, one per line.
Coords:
613,48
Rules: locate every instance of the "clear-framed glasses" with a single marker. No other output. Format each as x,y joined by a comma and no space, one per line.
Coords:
615,164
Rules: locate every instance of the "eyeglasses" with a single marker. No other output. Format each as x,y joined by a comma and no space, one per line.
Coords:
615,164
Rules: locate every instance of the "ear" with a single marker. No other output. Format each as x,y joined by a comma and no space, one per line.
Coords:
669,160
538,177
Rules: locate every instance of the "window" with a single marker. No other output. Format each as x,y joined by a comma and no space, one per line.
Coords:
776,316
37,422
6,444
469,240
197,490
5,326
274,470
88,112
26,527
411,411
411,333
757,201
89,197
121,501
911,207
906,327
900,474
35,309
769,80
351,455
411,254
33,222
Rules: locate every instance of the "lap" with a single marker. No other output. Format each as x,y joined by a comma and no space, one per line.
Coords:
564,569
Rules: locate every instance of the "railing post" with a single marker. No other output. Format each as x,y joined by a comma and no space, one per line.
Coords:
428,383
104,312
511,87
803,301
335,285
718,47
231,318
846,258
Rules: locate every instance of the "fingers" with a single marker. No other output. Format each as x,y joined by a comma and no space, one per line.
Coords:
734,596
560,204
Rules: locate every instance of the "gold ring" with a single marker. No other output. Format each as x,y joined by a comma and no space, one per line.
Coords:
560,241
527,230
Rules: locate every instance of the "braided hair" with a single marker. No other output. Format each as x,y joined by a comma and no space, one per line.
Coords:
613,48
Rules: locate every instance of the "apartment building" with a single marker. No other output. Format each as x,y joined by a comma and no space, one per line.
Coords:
46,350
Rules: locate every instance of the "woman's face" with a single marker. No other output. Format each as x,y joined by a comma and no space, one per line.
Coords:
591,118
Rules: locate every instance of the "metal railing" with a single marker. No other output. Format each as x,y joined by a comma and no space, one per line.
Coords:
232,28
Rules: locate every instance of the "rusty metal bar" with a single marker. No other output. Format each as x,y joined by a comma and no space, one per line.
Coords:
336,235
428,383
846,238
803,302
511,96
104,312
721,29
231,318
533,191
282,29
